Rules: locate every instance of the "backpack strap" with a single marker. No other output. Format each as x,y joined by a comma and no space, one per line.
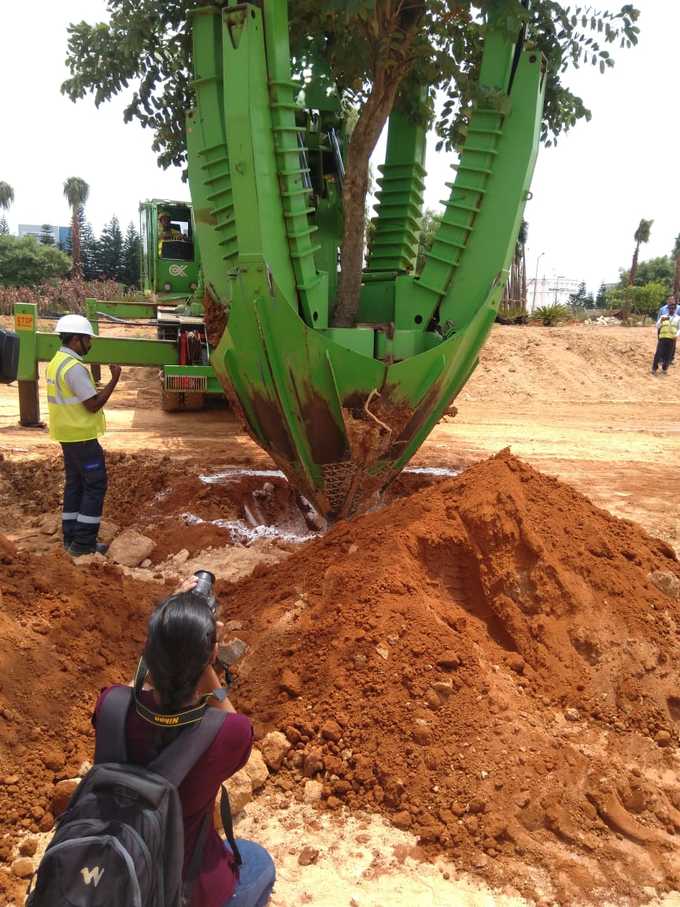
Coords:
228,824
110,745
177,759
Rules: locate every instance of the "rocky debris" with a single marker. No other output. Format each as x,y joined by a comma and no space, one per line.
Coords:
53,759
49,523
274,748
256,769
28,847
23,867
448,660
130,548
107,531
313,791
667,582
308,856
331,730
233,651
313,762
61,795
290,682
240,792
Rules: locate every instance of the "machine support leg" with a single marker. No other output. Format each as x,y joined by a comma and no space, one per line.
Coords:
93,317
29,404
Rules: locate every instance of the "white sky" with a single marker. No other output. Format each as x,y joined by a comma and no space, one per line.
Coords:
589,193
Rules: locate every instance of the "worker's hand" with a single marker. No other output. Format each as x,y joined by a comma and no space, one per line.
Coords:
115,371
186,585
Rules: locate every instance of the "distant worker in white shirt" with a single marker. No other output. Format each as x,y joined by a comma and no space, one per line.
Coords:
667,327
76,416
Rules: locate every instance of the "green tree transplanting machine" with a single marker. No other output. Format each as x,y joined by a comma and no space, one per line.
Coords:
341,410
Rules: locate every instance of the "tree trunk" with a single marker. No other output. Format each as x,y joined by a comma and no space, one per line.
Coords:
75,244
634,266
365,137
393,30
676,279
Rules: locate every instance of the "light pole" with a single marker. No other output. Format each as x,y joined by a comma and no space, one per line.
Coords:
533,301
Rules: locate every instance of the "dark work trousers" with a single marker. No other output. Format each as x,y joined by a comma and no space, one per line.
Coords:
664,353
84,491
675,343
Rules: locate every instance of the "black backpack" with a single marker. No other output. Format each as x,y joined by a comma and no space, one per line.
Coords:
120,842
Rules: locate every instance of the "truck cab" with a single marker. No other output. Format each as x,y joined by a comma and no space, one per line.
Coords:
170,258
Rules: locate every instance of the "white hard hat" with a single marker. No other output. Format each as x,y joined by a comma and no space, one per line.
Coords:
74,324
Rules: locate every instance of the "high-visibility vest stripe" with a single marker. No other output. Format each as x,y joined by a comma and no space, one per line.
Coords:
69,419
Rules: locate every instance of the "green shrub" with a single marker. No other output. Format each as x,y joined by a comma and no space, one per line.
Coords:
550,315
24,262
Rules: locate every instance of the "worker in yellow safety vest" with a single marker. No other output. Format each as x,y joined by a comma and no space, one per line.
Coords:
76,417
667,328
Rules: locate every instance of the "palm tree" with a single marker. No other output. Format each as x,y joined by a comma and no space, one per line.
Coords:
675,255
76,192
641,235
6,196
6,199
515,293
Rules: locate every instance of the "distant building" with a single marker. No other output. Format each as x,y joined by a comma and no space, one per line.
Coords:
60,235
550,291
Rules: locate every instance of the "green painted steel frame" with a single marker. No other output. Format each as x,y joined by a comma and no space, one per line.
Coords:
342,410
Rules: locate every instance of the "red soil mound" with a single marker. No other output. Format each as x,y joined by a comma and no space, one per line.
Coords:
65,632
489,663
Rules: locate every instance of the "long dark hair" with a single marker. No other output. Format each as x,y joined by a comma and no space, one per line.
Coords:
179,644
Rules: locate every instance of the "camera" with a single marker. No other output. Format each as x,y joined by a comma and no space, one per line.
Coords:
205,587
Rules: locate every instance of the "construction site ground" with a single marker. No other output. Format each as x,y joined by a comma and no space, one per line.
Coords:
480,673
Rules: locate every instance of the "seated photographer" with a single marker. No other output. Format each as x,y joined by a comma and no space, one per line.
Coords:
180,655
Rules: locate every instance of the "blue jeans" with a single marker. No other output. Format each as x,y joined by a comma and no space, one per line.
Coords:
256,877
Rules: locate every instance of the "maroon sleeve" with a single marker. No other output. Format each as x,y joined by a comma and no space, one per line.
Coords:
233,744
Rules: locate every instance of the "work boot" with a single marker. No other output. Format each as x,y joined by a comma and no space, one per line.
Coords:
77,550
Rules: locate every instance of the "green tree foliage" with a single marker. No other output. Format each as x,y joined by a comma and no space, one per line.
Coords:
24,262
428,227
675,256
654,270
76,192
601,298
89,250
109,256
581,299
638,300
6,199
6,196
130,267
46,238
373,49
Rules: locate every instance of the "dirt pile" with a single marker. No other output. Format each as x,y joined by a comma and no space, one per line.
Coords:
490,663
564,365
65,632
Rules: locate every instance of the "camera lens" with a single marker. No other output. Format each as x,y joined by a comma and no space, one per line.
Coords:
205,583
